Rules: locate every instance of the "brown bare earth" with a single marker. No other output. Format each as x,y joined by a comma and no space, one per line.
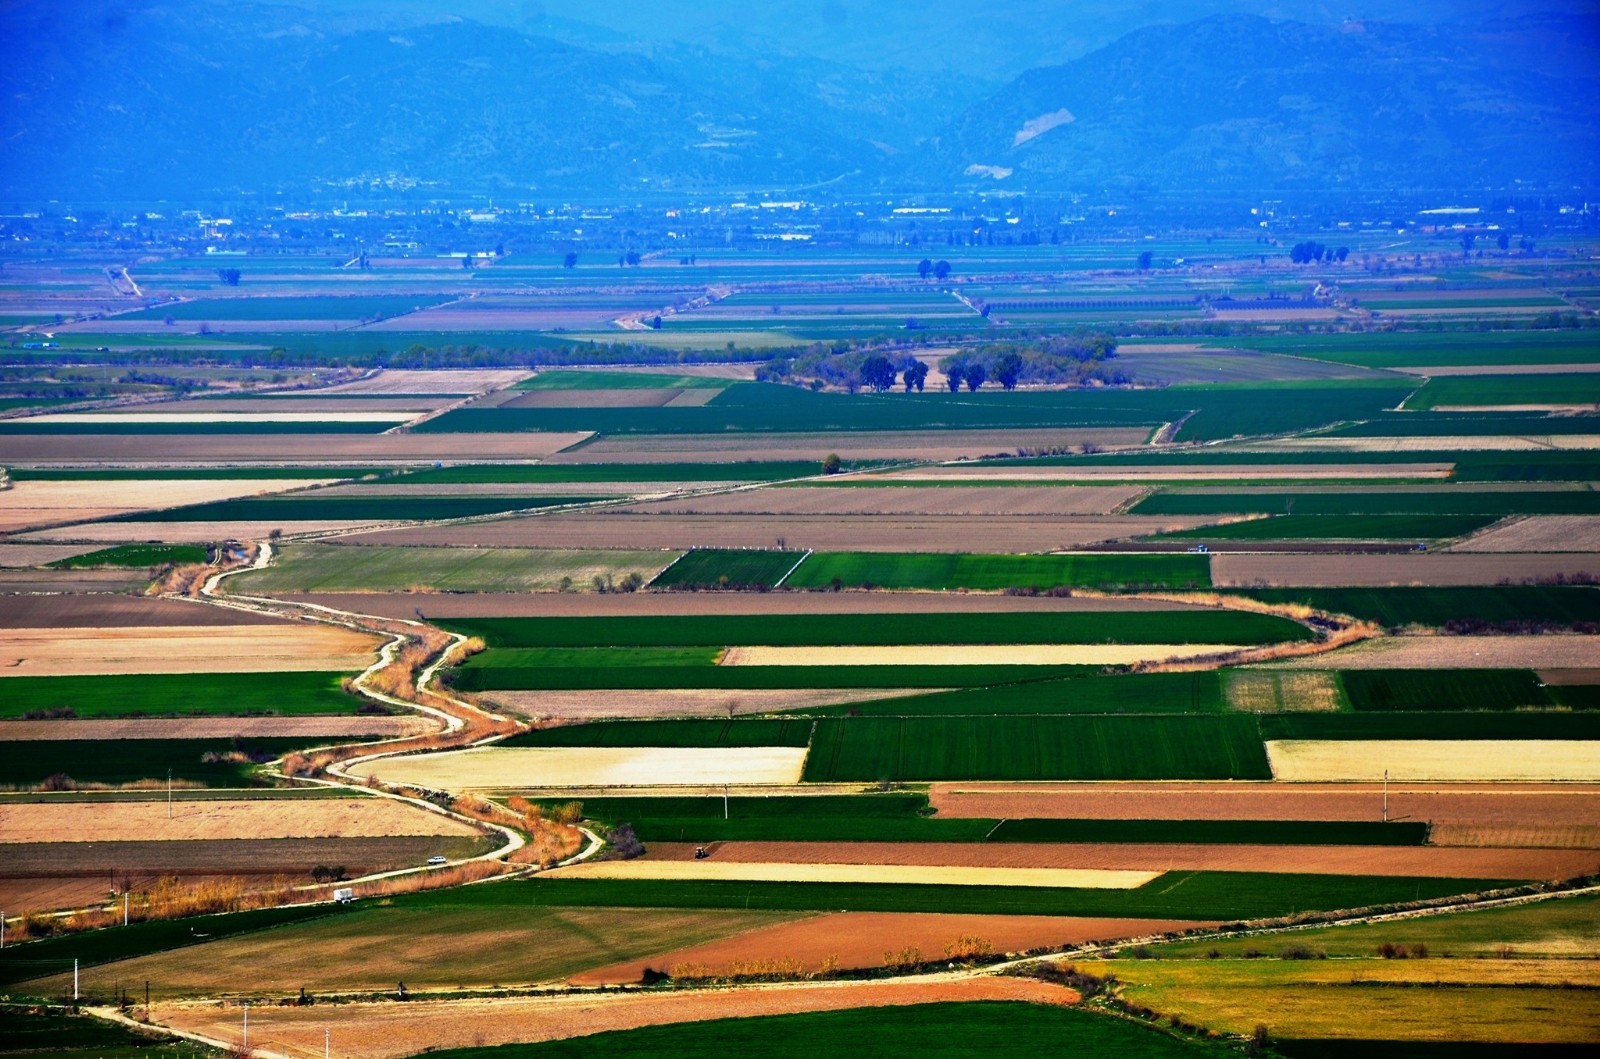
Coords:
860,939
1570,676
588,604
1494,804
1537,533
33,504
167,649
119,612
207,820
1457,652
1421,861
52,582
902,500
372,727
23,555
395,381
910,445
288,402
106,533
120,450
1017,533
390,1031
1253,569
658,703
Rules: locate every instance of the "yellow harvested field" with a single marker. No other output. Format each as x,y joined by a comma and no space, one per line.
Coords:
1455,652
1239,473
133,418
503,767
365,727
183,649
902,500
29,504
974,655
920,874
680,702
1537,533
197,820
1466,760
406,382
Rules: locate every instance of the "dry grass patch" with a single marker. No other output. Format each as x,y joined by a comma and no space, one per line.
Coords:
923,445
1260,570
816,872
495,768
407,382
1456,652
336,450
1537,533
1265,691
1467,760
158,649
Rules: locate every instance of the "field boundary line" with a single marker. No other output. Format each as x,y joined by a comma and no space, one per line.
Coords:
779,582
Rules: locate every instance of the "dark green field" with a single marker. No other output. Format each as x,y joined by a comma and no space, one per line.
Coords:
1577,388
24,762
927,1031
774,630
1467,424
1080,747
541,473
1339,528
136,555
181,694
144,428
352,508
943,572
82,1037
1533,466
1536,605
1443,689
1196,692
727,568
1484,725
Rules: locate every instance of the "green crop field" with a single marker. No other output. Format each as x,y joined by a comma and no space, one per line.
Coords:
1179,894
1443,689
928,1031
35,1033
311,566
1441,501
1432,348
1467,424
727,567
1485,390
136,555
350,508
1487,466
1075,747
1088,692
775,630
26,762
691,733
941,572
1534,605
1338,528
180,694
1417,724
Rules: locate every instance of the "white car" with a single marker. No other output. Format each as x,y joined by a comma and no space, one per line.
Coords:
435,861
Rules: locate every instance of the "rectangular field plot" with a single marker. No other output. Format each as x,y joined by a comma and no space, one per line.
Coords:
353,508
179,694
1442,501
59,652
212,762
1459,608
941,572
870,749
910,875
136,555
486,676
315,567
591,379
690,733
1338,527
558,473
578,767
1456,760
1197,692
1097,654
1577,390
728,567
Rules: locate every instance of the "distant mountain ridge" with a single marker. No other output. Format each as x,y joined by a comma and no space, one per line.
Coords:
185,98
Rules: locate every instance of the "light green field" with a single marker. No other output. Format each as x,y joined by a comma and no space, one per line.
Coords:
314,567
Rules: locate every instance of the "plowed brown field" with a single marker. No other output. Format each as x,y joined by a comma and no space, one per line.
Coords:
119,612
1457,652
860,939
389,1031
1017,533
120,450
1247,569
207,820
903,500
1538,533
612,705
34,504
164,649
1422,861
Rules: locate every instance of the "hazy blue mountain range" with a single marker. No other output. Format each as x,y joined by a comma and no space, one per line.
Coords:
128,101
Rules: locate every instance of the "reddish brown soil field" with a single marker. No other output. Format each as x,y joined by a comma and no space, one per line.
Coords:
589,604
1500,804
860,939
1422,861
1016,533
390,1031
117,612
1570,676
1246,570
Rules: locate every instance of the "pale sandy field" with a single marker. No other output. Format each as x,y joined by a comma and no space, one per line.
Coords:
391,1031
895,501
339,450
1465,760
286,416
496,767
194,821
1456,652
23,555
406,382
1218,472
973,655
28,504
1254,569
919,874
183,649
1536,533
367,727
676,702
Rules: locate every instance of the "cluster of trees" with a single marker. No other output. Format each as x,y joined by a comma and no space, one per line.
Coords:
940,270
1074,359
1311,250
230,276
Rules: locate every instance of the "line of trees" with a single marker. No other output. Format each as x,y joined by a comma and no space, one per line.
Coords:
1311,250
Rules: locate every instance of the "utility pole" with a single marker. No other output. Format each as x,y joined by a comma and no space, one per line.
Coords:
724,801
1386,796
169,794
74,979
246,1042
327,1042
124,908
147,1000
2,928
